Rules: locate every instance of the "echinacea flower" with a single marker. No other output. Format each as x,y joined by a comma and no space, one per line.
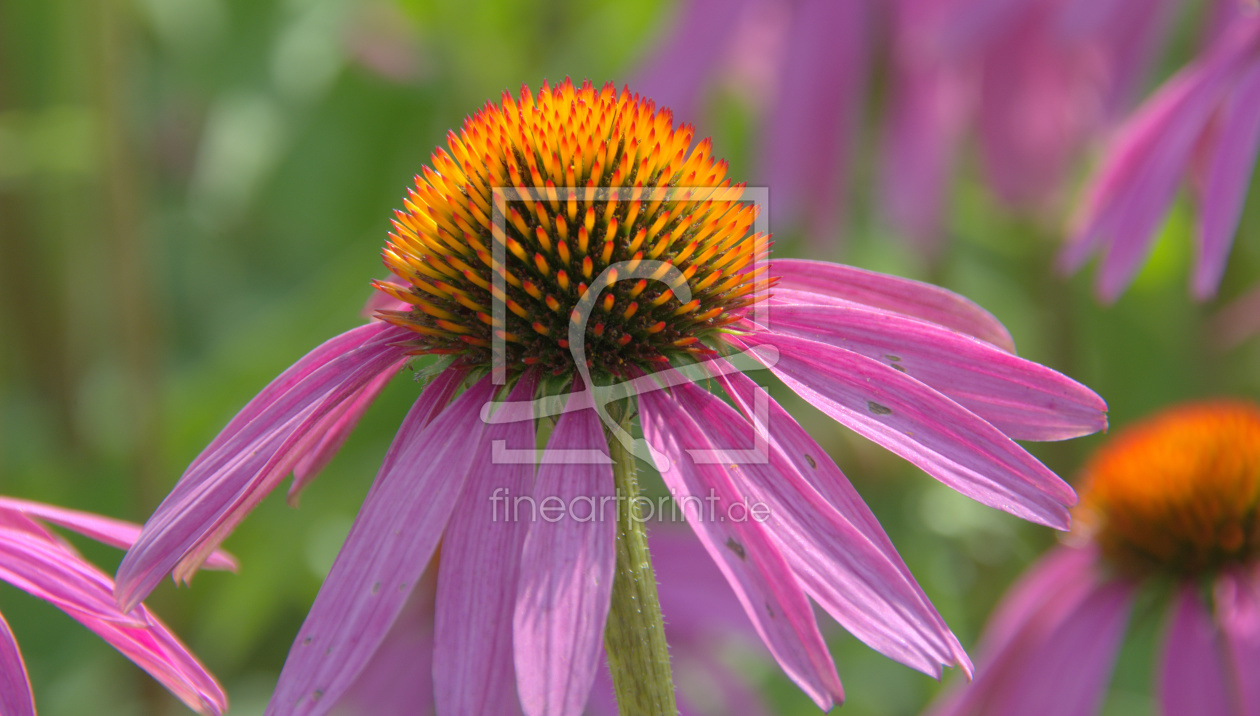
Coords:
1036,78
44,565
1174,499
1204,122
703,621
575,252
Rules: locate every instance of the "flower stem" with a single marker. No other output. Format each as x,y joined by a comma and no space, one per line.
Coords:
634,639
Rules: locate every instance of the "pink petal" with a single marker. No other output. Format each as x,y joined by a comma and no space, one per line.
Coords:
237,471
34,560
1228,180
567,571
892,293
391,541
115,533
1025,400
334,429
477,577
16,698
1238,617
1067,671
933,432
40,564
753,566
156,650
853,577
1191,673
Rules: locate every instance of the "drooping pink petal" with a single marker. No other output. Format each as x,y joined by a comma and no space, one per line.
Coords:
237,471
38,562
1025,400
1191,672
1067,672
821,87
15,686
892,293
477,575
42,565
391,541
567,569
1238,618
752,564
156,650
398,681
115,533
850,575
941,437
333,430
293,375
1228,180
1238,321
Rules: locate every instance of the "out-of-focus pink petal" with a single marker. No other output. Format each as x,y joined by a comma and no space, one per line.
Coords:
938,435
1238,618
1029,613
1041,99
567,570
683,63
848,574
892,293
1025,400
752,564
1067,672
391,541
1228,179
235,473
1191,673
115,533
333,431
821,88
15,686
1131,191
477,575
922,132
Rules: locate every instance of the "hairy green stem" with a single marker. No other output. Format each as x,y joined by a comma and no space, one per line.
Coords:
634,639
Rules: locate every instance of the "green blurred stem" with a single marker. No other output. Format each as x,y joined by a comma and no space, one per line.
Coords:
634,639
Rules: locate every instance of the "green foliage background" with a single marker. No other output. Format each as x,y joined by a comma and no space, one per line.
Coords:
193,193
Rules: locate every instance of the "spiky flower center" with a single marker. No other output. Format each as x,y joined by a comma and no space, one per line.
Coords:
1179,492
579,193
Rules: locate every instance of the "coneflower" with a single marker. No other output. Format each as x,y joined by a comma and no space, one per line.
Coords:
575,253
1172,500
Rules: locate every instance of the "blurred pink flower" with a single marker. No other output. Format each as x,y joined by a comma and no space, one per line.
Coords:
1203,123
923,372
43,565
805,63
1037,79
1170,500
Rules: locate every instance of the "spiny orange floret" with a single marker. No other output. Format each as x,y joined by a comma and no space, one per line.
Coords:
585,182
1179,492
